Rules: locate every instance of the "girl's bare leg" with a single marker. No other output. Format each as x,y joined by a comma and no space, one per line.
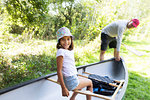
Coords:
90,89
73,96
84,82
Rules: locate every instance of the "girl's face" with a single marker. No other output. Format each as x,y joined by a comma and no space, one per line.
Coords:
65,42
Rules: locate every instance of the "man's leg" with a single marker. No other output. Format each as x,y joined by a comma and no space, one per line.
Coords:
115,52
116,55
113,44
104,44
102,55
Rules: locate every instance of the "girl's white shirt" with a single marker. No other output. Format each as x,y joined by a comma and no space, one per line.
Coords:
69,67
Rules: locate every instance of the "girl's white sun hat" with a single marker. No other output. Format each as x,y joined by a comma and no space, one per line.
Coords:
64,31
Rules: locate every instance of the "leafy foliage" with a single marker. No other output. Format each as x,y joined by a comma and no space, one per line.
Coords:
27,15
86,18
28,12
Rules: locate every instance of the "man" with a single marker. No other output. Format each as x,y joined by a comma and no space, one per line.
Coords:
112,35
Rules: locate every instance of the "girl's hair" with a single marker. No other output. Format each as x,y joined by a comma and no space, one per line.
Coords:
58,46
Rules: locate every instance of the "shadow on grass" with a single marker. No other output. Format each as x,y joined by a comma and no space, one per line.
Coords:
138,87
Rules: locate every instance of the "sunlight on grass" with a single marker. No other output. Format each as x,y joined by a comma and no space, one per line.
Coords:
140,65
136,63
32,47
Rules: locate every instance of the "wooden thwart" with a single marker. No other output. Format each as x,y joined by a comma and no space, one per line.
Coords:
85,92
116,91
93,94
53,80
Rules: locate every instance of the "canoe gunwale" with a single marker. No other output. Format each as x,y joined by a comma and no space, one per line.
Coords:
25,83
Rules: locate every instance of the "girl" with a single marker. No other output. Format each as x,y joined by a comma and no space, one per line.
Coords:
66,70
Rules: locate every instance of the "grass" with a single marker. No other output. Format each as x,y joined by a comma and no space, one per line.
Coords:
30,59
138,87
139,71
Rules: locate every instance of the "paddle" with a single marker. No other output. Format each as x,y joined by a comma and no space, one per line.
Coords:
138,53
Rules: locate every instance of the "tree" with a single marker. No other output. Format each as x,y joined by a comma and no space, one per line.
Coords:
30,13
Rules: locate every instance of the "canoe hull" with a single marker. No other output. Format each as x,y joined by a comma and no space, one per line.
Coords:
42,89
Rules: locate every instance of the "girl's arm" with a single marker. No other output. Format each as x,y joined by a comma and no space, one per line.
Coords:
65,91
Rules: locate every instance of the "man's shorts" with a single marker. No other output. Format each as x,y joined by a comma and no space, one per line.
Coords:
71,82
107,40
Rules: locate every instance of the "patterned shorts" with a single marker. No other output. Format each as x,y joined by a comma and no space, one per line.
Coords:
71,82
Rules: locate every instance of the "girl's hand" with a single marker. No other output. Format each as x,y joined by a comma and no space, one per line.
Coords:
65,92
